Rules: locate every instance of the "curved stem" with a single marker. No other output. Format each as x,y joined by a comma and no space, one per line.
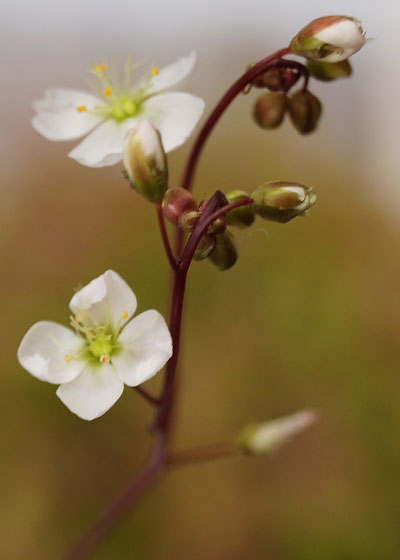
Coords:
143,393
112,515
236,88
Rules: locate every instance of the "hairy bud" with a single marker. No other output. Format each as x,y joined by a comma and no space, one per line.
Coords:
243,216
329,38
145,162
281,201
269,110
176,203
225,254
328,71
261,439
304,110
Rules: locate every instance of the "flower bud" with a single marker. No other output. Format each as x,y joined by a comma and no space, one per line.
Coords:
281,201
327,71
205,247
188,220
261,439
269,109
304,110
176,203
277,79
145,162
329,38
225,254
243,216
219,225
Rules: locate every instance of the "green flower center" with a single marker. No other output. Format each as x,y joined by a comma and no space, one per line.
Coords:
101,342
102,346
120,100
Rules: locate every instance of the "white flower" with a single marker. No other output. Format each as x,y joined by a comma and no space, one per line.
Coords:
261,439
105,350
67,114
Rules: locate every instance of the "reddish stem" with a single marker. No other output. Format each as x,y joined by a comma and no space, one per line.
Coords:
165,240
197,454
236,88
143,393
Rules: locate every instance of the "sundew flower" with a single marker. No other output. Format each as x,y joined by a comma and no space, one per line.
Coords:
105,349
68,114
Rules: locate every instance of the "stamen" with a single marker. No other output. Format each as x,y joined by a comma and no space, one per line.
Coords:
99,68
155,70
67,358
81,108
104,359
125,315
108,91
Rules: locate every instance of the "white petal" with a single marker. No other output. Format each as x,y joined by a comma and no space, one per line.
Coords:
346,33
47,351
105,145
175,115
173,74
58,117
146,347
93,392
105,300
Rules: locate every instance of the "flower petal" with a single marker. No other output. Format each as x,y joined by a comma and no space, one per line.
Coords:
58,117
105,300
93,392
175,115
47,351
146,347
105,145
173,74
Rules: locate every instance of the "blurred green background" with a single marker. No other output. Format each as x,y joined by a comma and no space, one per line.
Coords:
307,318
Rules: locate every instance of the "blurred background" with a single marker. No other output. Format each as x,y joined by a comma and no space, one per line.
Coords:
309,316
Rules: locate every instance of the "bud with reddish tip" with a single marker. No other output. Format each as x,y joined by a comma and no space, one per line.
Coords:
329,38
176,203
304,110
277,79
281,201
145,162
243,216
205,247
269,109
225,254
328,71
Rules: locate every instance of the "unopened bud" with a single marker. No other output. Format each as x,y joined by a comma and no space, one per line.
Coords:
277,79
327,71
304,110
281,201
145,162
205,247
177,202
269,109
329,38
243,216
188,220
225,254
261,439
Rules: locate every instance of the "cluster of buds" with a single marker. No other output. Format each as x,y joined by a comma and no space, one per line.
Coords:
326,43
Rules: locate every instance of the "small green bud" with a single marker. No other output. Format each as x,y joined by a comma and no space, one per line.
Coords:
264,438
329,38
145,162
243,216
328,71
269,109
281,201
188,220
176,203
205,247
225,254
304,110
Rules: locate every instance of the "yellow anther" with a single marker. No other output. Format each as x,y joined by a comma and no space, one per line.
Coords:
81,108
104,359
99,68
67,358
125,315
155,70
108,91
